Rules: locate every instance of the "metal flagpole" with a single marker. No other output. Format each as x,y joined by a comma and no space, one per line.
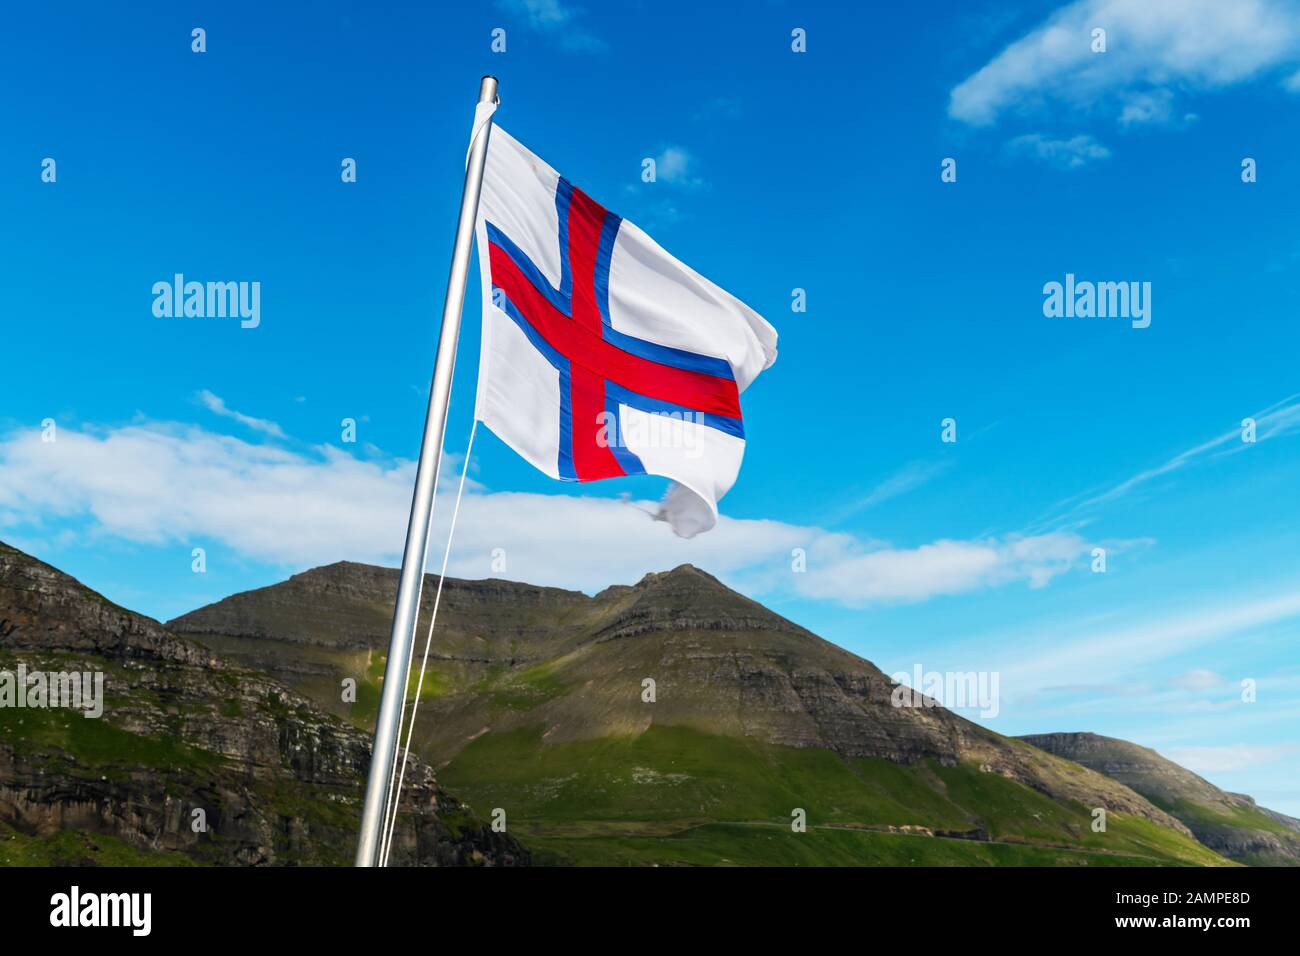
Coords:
417,532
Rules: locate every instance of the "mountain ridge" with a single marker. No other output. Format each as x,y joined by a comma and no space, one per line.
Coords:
193,760
541,673
1230,823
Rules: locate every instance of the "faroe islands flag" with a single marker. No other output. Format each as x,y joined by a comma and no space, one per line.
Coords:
603,355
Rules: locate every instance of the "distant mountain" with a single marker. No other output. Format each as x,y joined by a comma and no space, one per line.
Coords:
1228,823
277,781
536,703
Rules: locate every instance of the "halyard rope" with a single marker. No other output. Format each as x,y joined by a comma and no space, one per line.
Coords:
395,793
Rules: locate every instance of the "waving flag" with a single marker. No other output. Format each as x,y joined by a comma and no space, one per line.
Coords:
603,355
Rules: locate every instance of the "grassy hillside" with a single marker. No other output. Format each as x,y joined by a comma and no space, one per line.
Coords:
1229,823
675,795
192,760
535,703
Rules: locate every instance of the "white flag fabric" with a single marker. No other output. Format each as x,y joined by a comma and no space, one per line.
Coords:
603,355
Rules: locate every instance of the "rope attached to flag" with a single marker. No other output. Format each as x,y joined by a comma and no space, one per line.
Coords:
395,790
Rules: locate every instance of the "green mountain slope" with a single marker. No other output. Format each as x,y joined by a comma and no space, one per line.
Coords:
1229,823
184,739
536,703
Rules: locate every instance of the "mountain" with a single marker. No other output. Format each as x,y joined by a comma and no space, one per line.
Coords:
1228,823
277,780
536,703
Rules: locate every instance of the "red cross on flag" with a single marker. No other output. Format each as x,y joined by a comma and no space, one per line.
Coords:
603,355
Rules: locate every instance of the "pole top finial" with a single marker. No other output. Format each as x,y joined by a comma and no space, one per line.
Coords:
487,90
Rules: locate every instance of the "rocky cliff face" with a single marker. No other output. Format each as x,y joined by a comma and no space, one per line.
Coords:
1122,760
350,605
509,656
193,757
1229,823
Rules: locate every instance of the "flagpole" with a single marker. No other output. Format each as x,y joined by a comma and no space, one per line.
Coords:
402,638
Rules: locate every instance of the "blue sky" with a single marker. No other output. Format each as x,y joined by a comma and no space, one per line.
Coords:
779,170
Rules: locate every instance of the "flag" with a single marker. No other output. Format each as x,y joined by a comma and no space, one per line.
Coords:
602,355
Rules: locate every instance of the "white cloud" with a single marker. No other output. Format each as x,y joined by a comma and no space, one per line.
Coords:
676,165
543,14
1198,680
1062,153
214,404
1142,108
908,478
1155,48
558,20
1108,654
170,484
1206,760
1277,420
855,575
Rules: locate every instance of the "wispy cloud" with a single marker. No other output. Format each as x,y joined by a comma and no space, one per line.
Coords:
1140,109
911,476
1072,153
1279,419
163,484
1103,655
677,166
1198,680
858,575
557,20
1156,50
214,404
1206,760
